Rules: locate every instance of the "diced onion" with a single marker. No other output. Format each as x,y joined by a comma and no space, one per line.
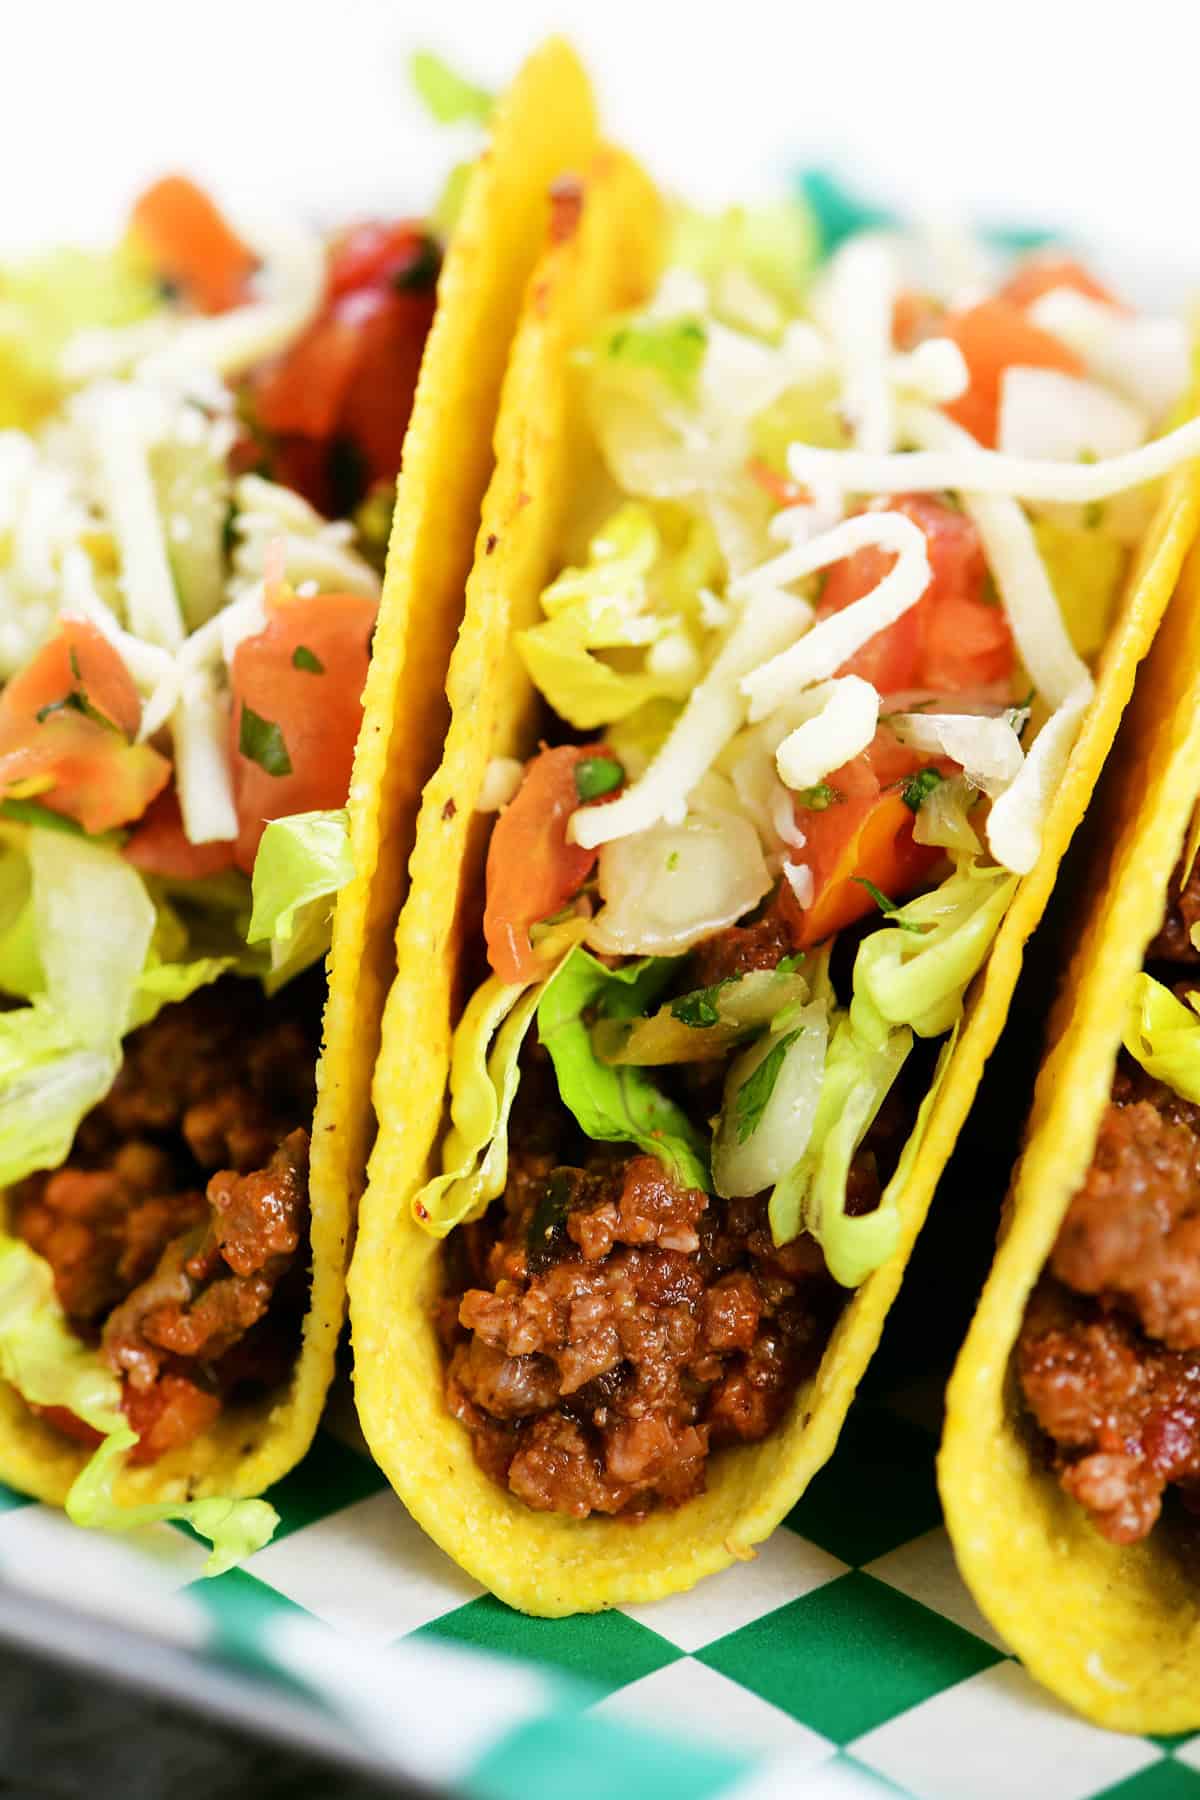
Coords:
988,749
1044,413
670,886
1148,359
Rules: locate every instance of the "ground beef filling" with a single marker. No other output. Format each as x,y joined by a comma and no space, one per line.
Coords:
177,1226
606,1329
1109,1353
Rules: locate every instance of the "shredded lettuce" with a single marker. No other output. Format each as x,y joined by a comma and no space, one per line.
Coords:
615,1104
772,1096
702,1024
630,602
1163,1035
302,862
915,968
673,348
48,1365
95,954
747,256
812,1195
43,302
484,1077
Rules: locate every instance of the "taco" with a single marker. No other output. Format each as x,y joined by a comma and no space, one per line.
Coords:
788,727
204,432
1070,1468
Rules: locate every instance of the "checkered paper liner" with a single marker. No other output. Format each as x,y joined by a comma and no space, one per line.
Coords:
846,1660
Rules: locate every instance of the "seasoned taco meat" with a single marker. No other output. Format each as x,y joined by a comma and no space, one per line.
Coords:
606,1328
1174,940
1109,1353
191,1281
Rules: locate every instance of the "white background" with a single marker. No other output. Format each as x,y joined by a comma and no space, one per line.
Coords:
1062,111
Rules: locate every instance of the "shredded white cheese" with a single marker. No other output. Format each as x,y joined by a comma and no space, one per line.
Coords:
203,777
826,647
979,471
120,422
714,712
845,714
861,293
1017,568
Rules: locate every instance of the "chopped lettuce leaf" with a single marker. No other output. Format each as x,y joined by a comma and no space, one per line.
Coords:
615,1104
302,862
914,970
49,1366
703,1024
43,302
484,1077
1163,1035
234,1528
773,247
449,97
633,597
772,1096
673,348
858,1074
1086,567
96,951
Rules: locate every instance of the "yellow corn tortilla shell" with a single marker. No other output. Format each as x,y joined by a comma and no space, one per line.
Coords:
544,127
541,1562
1114,1630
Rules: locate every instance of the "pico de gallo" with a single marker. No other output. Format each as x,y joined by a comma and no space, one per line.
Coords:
200,432
809,684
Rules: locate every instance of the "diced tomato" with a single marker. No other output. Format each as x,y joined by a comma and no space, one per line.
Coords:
297,705
339,400
159,845
532,870
915,316
951,639
69,1423
864,834
191,244
1041,274
781,488
66,721
171,1411
995,336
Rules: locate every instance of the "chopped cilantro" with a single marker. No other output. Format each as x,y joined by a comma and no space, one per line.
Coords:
596,776
74,662
308,660
262,742
32,812
449,97
919,786
77,702
756,1090
699,1008
1093,514
672,862
883,903
787,965
817,798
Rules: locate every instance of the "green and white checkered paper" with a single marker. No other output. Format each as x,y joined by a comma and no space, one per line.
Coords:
846,1660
